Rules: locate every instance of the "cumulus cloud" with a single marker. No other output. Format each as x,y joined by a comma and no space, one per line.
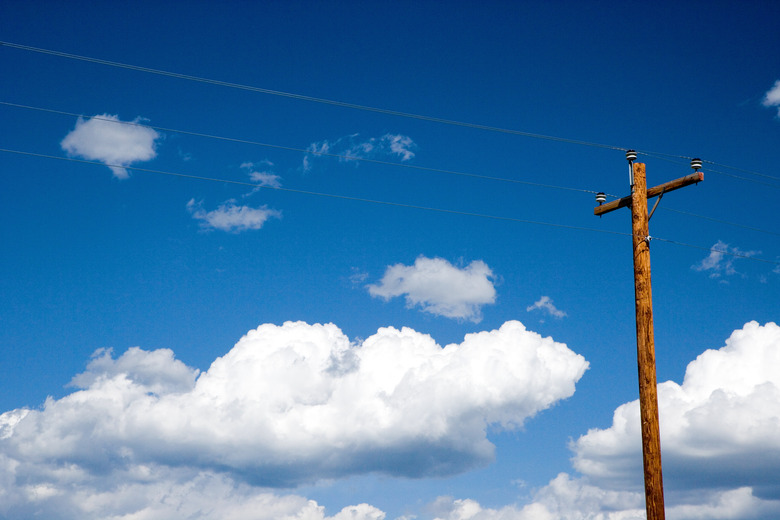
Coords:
145,436
719,429
231,217
103,138
719,435
354,147
721,260
262,173
440,288
545,304
151,492
567,498
564,498
772,97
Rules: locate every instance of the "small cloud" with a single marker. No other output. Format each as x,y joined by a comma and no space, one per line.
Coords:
358,277
721,260
545,303
351,148
400,145
314,149
772,97
439,287
262,173
102,138
231,217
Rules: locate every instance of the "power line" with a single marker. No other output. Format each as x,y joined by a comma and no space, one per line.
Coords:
302,97
722,221
319,194
380,202
302,150
716,250
367,160
676,160
368,108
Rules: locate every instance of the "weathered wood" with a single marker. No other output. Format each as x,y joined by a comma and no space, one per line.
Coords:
652,192
645,343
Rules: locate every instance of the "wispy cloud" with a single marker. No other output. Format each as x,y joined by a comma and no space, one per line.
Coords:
354,147
721,260
262,173
287,404
102,138
772,97
545,304
231,217
440,288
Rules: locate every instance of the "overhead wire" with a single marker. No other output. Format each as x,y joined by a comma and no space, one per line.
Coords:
381,202
663,156
719,221
304,150
362,159
368,108
307,192
675,159
302,97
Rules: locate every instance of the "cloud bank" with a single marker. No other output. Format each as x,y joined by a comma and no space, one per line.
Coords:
439,288
144,434
103,138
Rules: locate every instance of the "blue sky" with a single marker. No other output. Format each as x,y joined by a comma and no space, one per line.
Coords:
219,302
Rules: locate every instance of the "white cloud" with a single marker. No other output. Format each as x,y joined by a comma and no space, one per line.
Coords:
566,498
720,435
439,287
150,492
563,498
231,217
545,303
719,429
103,138
721,260
772,97
147,437
315,150
262,173
353,147
400,145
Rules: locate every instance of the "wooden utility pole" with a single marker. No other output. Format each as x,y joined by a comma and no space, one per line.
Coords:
645,344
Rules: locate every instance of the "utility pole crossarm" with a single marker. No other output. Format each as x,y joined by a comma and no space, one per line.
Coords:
655,191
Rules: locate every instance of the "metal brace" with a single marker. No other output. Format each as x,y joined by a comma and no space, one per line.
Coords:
660,196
